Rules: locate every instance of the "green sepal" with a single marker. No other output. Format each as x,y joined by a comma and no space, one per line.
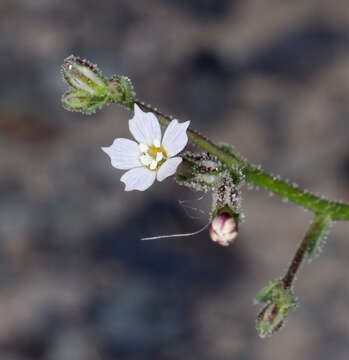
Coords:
121,91
81,101
228,210
268,292
277,293
279,300
83,75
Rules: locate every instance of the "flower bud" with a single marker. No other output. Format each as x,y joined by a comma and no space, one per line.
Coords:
270,319
223,229
79,100
121,91
92,89
279,300
82,75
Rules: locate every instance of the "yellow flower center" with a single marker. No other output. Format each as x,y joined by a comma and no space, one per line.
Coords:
152,157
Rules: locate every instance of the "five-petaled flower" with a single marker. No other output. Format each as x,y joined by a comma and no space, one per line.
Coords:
150,158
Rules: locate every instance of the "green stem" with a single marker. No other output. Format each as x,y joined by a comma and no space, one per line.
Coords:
336,210
317,229
256,176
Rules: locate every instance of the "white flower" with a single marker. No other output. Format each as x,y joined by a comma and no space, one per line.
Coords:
149,157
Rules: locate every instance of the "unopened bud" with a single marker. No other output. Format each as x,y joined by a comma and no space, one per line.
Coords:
82,75
79,100
92,90
279,300
270,320
223,229
226,209
121,91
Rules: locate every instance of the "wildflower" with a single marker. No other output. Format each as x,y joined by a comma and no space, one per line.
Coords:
223,229
149,157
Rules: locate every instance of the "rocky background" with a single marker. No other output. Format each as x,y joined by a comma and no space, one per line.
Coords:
271,78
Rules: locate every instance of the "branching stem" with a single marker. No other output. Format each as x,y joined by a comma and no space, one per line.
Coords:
256,176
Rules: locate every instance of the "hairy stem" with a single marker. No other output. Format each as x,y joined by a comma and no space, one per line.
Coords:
254,175
316,229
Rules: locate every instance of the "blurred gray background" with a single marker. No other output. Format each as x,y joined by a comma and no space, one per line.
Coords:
271,78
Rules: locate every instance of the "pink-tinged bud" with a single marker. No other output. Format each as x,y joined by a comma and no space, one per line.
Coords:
223,229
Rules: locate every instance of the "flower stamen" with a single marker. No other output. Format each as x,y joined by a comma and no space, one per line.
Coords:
152,157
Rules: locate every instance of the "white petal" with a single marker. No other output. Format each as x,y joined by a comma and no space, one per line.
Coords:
144,127
124,154
175,137
156,142
168,168
138,179
143,148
